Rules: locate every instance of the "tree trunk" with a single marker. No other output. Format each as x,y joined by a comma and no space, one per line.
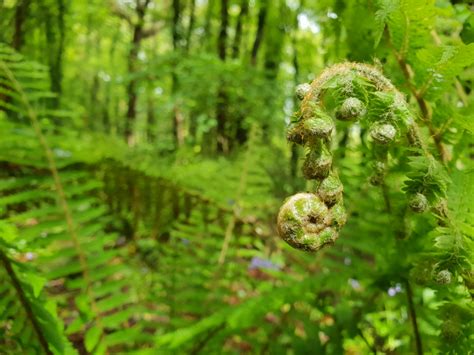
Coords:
222,39
273,54
131,115
208,24
176,32
296,80
21,14
241,133
262,18
192,18
221,109
58,62
132,85
55,35
150,116
244,8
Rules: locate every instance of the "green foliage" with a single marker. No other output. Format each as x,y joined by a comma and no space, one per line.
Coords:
28,322
141,172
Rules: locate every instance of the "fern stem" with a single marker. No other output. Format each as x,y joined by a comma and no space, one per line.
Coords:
364,338
199,346
422,104
236,210
24,301
411,308
459,89
386,197
59,189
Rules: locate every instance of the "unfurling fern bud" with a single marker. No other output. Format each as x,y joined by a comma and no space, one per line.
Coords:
305,222
383,133
302,90
320,127
418,203
317,164
310,221
451,329
422,272
378,175
443,277
330,190
295,134
440,208
351,109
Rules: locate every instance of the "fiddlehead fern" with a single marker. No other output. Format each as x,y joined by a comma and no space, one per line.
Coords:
347,92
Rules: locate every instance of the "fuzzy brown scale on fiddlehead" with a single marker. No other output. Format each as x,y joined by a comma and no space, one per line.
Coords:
309,221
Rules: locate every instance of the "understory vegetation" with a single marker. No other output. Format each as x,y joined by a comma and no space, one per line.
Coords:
147,147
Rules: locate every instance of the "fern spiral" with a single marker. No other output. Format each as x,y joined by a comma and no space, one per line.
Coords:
350,92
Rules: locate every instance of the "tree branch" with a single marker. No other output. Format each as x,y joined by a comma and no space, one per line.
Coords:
122,13
152,29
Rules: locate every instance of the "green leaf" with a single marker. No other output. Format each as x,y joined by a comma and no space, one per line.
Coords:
92,337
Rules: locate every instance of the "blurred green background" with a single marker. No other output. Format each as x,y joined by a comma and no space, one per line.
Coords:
143,160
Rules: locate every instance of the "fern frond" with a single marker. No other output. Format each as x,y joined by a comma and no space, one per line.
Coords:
27,322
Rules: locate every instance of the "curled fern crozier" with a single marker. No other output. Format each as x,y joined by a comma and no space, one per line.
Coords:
349,92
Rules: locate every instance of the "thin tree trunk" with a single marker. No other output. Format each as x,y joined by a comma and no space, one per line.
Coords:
131,115
94,102
192,19
221,109
262,18
21,14
296,79
208,23
244,8
55,35
132,85
177,46
222,39
150,116
58,65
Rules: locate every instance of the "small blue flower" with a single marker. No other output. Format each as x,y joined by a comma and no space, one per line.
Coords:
392,291
354,284
259,263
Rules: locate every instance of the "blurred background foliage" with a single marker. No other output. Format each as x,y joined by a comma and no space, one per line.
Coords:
143,160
